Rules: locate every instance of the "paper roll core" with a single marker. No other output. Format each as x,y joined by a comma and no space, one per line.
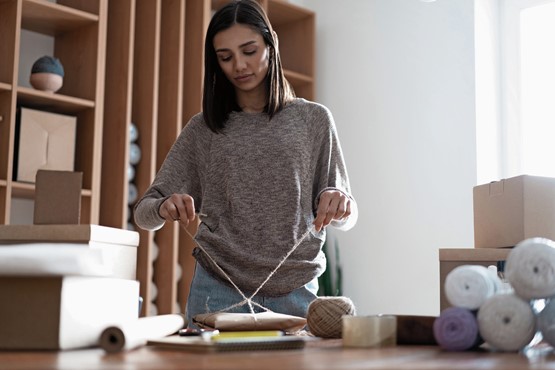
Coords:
369,331
112,339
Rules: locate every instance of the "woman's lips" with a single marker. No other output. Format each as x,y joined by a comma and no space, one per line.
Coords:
243,78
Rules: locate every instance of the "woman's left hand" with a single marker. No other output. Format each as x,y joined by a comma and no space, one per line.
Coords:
333,205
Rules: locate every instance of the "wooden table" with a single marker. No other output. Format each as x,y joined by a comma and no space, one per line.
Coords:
330,356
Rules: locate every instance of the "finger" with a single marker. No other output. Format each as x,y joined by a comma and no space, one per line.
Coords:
331,211
320,215
343,208
167,210
185,206
322,212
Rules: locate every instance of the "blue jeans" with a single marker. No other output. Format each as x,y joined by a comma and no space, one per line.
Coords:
207,294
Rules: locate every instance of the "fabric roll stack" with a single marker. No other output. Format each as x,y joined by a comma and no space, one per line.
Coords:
467,287
506,320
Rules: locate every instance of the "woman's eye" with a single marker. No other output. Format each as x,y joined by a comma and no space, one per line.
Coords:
225,59
249,52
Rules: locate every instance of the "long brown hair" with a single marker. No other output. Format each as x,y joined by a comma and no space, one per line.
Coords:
219,98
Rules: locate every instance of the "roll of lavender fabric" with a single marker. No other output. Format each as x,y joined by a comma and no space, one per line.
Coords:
530,268
507,322
468,286
456,329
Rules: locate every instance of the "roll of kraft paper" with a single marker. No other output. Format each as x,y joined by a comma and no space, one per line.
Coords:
530,268
469,286
507,322
456,329
136,333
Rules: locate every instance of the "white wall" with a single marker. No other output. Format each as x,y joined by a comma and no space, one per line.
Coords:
398,76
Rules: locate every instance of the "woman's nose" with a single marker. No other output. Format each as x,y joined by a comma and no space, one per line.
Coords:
240,63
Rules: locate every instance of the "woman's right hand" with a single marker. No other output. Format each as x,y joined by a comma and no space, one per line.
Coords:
178,207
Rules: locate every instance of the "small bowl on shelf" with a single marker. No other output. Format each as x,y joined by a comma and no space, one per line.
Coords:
47,74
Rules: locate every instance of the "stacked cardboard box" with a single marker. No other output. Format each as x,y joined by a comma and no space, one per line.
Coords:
43,306
506,212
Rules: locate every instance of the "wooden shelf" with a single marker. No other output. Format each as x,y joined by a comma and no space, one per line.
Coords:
5,87
298,78
52,19
52,102
27,190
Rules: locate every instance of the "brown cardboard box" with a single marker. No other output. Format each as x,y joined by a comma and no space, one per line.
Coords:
46,141
58,197
62,312
509,211
450,258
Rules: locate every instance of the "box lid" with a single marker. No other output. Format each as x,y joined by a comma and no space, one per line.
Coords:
82,233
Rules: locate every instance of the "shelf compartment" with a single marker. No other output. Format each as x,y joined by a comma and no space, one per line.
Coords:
302,84
53,19
281,12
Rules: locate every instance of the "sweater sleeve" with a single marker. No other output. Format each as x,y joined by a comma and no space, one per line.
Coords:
179,174
330,170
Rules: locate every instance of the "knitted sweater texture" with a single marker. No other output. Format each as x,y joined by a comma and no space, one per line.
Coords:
256,186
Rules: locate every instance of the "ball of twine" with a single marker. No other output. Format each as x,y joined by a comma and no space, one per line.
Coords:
324,318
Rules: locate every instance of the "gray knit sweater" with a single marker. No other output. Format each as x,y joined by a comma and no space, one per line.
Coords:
256,186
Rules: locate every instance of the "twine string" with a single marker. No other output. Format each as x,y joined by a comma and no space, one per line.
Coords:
248,300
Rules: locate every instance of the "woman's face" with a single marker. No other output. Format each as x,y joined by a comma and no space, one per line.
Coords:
243,57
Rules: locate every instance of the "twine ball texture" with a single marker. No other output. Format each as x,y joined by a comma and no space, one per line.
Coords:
324,318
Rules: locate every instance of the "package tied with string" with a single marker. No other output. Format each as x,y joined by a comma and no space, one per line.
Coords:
265,319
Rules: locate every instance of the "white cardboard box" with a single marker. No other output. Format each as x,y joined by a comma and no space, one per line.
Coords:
62,312
117,247
509,211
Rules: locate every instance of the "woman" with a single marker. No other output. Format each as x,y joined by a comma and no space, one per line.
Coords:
262,169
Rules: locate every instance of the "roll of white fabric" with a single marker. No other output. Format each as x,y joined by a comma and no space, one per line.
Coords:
469,286
546,322
530,268
506,322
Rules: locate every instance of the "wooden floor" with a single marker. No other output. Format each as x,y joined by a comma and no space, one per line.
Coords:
330,356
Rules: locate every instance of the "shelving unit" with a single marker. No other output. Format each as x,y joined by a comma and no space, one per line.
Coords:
78,29
138,61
